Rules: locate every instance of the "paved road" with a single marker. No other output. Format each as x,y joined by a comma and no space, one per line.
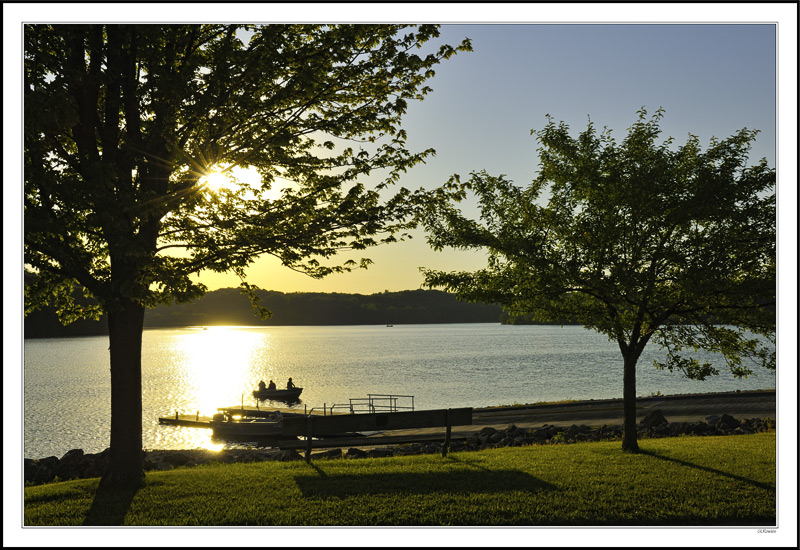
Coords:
684,408
681,408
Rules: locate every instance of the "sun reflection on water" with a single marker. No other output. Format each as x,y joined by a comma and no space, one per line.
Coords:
219,364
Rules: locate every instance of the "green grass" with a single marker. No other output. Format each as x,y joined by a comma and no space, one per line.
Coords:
727,480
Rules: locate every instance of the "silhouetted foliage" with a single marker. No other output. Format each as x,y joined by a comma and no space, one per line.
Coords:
122,123
636,240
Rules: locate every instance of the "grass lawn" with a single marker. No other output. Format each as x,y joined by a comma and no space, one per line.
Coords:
686,481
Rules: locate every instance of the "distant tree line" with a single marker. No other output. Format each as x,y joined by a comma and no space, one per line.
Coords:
228,306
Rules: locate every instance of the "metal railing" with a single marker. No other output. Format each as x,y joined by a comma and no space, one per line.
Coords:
377,402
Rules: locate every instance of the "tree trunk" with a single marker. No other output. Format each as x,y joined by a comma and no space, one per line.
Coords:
125,466
629,442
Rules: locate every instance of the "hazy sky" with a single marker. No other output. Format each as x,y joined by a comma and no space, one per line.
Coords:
712,80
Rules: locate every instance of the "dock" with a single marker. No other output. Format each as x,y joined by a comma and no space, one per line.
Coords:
188,420
200,421
255,412
677,408
348,440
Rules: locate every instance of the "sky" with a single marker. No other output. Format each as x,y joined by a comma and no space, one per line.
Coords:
712,80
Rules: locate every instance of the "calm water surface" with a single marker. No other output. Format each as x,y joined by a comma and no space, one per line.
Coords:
67,387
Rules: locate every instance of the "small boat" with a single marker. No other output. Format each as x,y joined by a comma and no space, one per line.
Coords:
290,394
224,425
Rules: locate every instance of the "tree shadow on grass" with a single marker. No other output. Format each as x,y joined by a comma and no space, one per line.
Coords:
110,506
321,485
469,463
761,485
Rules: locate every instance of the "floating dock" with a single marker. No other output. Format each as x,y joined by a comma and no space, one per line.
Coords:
189,420
255,412
199,421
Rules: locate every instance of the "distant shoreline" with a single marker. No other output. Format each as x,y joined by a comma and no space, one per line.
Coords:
250,326
99,332
228,307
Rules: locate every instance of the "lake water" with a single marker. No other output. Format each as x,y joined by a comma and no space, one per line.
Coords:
67,388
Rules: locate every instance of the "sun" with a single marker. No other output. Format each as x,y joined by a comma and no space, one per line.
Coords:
215,181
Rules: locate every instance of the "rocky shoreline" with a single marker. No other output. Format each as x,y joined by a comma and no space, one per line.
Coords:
75,464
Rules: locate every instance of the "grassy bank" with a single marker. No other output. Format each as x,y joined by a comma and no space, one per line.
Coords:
676,481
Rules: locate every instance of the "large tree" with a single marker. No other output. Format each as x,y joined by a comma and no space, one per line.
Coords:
638,240
125,123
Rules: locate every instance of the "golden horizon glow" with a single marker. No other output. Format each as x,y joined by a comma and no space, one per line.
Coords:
396,266
395,269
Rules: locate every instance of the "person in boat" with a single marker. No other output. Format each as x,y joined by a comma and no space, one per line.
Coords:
289,384
262,386
272,385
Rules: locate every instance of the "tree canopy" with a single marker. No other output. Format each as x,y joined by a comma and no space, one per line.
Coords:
638,240
124,124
